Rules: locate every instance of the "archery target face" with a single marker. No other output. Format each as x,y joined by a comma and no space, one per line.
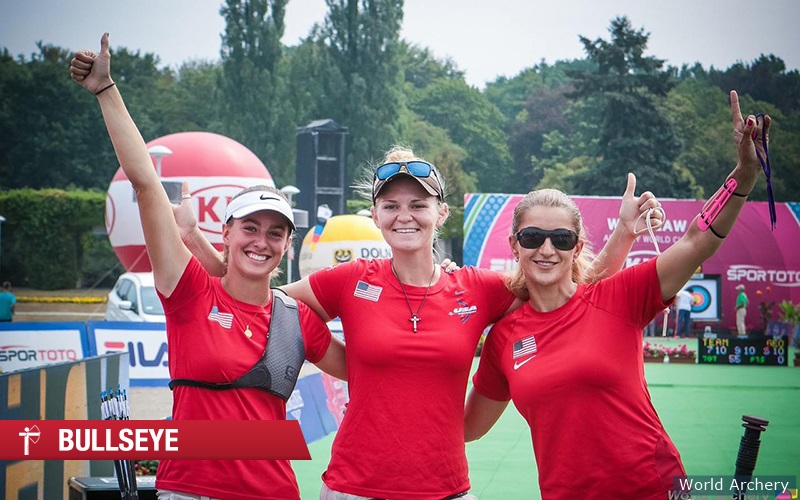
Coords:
705,298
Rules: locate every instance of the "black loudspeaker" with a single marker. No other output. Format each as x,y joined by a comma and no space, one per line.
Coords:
106,488
321,174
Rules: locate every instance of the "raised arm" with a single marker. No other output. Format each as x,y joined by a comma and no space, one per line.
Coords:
614,254
167,253
677,264
208,256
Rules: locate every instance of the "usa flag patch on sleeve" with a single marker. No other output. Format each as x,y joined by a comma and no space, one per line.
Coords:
524,347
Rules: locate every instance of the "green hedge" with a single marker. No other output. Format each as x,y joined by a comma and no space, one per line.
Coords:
48,243
46,234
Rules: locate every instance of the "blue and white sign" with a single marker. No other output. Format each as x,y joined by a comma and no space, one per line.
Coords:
28,345
146,344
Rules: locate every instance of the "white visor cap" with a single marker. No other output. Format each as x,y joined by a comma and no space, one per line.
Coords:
256,201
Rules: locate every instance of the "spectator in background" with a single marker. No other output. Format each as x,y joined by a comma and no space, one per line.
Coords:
7,303
650,329
741,310
683,303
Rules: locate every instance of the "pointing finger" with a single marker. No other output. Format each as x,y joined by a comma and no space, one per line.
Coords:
736,113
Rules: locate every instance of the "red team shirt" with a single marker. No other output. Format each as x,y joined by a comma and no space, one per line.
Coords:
403,432
205,334
576,375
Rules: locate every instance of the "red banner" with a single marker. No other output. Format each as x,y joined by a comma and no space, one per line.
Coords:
151,440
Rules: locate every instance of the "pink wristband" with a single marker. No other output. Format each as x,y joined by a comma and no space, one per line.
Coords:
715,205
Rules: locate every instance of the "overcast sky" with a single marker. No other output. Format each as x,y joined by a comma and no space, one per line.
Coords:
485,38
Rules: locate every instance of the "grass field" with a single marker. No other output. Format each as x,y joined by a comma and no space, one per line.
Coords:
700,405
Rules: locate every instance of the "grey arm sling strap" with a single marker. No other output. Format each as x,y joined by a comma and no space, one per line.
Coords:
277,370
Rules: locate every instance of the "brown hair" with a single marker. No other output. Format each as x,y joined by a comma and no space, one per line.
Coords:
555,199
260,187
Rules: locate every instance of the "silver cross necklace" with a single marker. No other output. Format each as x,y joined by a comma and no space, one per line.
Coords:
414,315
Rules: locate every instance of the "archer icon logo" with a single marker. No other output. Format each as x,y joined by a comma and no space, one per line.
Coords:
30,435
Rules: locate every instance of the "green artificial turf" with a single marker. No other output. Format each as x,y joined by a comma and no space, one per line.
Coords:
700,405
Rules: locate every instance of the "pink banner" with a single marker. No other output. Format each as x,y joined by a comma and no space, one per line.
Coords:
767,262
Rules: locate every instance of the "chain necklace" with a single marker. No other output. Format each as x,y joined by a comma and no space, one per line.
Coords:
414,315
247,332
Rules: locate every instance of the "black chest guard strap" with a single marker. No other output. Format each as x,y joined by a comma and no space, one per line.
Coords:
277,370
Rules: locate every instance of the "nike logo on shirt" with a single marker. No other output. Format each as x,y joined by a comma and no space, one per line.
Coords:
519,364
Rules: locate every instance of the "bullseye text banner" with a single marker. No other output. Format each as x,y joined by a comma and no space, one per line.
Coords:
151,440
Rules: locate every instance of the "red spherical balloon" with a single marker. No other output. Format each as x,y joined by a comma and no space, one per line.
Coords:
216,168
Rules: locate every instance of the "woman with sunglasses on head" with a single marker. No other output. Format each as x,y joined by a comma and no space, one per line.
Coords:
411,333
218,330
571,357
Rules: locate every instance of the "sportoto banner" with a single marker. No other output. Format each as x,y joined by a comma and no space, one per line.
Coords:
29,345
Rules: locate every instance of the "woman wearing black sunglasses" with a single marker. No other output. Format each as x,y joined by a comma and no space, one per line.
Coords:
411,333
571,358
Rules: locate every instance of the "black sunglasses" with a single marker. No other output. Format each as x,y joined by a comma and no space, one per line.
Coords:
534,237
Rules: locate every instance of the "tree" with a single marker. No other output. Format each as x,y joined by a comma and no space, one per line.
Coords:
765,79
476,125
421,68
193,101
511,94
46,122
253,90
363,42
634,135
317,83
53,132
700,115
543,113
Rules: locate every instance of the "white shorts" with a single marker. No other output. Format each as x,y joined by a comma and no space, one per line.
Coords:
329,494
179,495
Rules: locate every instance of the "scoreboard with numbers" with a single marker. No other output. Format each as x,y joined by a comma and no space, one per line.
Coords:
766,351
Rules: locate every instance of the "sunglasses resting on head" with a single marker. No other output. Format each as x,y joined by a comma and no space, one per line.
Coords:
534,237
422,171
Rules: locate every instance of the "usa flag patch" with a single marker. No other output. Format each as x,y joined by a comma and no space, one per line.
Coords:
366,291
224,319
524,347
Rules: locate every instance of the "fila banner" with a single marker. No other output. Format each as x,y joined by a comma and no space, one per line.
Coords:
145,343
